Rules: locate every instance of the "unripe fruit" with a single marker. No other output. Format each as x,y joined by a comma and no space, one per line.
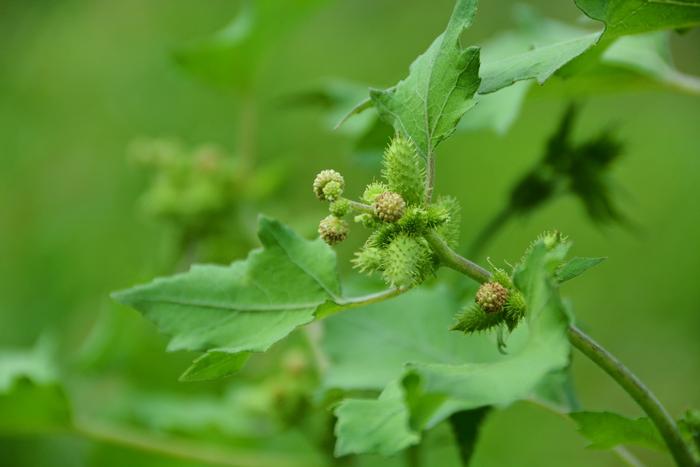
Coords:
373,190
389,206
339,208
325,177
333,230
491,297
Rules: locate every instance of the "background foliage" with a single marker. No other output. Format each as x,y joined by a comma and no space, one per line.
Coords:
81,81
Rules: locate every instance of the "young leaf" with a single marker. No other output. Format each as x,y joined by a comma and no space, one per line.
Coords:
606,430
428,104
622,17
246,307
575,267
31,397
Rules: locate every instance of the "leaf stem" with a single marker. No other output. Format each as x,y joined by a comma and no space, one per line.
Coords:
596,353
638,391
429,177
183,449
360,207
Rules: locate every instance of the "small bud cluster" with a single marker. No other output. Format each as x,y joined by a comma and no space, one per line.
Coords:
333,229
389,206
396,212
491,297
497,302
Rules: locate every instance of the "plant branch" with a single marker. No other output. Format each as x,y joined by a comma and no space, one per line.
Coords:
184,449
638,391
597,354
360,207
343,303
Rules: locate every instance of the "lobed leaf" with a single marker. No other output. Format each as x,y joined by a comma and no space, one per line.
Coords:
432,391
428,104
230,311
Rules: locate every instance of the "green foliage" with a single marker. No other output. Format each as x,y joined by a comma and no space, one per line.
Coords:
230,57
428,104
575,267
227,311
32,401
605,430
622,17
434,390
403,170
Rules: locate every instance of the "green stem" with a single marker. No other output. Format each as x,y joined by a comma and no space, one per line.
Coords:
597,354
638,391
342,303
429,178
454,260
183,449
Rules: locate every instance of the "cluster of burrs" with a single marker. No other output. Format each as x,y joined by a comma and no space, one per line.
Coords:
398,214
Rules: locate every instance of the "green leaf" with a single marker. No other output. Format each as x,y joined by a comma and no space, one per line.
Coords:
378,426
368,349
606,430
230,57
575,267
650,55
622,17
428,104
433,391
31,397
246,307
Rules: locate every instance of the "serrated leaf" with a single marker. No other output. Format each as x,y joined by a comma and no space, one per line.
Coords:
622,17
433,391
606,430
244,307
575,267
428,104
230,57
378,426
32,399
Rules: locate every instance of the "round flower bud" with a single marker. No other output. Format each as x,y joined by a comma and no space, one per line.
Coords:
333,230
491,297
332,190
325,177
340,207
389,206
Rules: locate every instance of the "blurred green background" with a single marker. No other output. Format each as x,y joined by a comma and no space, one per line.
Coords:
81,80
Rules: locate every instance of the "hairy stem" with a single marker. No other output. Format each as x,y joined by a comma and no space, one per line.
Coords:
360,207
429,177
597,354
343,303
452,259
178,448
638,391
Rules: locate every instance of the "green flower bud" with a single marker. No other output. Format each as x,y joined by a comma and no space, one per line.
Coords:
323,178
389,206
333,230
491,297
339,207
373,190
332,191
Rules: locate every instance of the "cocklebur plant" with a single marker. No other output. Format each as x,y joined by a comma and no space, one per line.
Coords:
228,313
397,213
